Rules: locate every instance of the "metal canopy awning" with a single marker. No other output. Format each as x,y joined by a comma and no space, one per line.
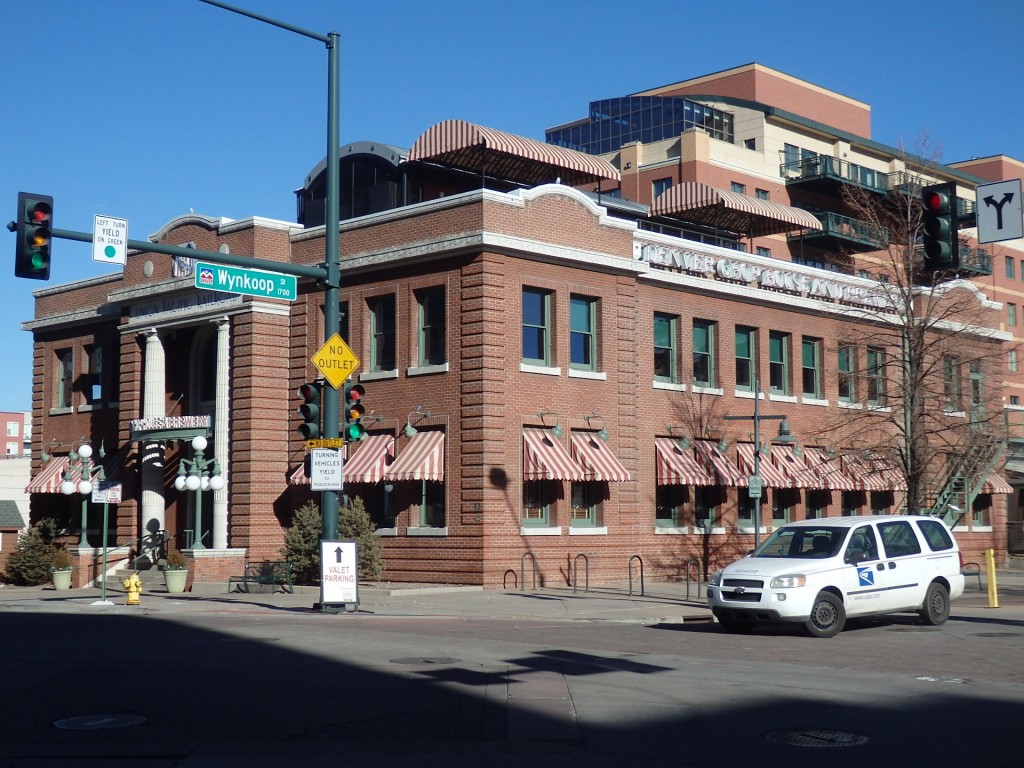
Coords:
676,466
713,207
487,151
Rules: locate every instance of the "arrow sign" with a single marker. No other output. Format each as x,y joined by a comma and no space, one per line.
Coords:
339,572
999,211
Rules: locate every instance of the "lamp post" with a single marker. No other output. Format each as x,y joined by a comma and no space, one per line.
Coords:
755,483
198,474
86,472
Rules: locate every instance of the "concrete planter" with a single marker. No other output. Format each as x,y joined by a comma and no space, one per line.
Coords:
61,578
175,578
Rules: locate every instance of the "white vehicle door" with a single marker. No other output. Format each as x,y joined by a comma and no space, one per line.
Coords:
906,565
865,577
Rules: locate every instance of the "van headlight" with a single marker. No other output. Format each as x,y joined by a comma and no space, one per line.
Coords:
715,579
789,581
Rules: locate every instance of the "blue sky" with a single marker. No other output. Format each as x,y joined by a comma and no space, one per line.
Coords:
146,109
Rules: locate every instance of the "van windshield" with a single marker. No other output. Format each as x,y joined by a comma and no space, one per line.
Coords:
803,542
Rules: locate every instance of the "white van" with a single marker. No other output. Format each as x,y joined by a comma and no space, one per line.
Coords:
819,572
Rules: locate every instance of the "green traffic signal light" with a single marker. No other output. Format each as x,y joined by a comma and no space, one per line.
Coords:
32,228
310,410
939,225
354,411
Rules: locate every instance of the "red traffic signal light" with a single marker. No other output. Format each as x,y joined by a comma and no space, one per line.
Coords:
939,224
32,250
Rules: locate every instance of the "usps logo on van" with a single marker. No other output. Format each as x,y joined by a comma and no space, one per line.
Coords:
866,577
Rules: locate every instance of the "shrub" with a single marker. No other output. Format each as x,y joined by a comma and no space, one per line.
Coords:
61,560
30,562
175,561
302,541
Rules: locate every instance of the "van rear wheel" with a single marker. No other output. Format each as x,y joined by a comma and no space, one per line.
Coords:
935,610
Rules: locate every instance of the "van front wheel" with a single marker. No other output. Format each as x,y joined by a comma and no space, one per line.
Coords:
828,616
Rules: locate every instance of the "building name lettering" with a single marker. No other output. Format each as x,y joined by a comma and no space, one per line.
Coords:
771,278
170,422
184,303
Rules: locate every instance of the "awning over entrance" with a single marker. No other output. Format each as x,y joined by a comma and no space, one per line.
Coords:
773,476
714,207
678,467
726,473
597,460
370,459
828,471
49,477
865,476
544,458
422,459
475,148
996,484
794,467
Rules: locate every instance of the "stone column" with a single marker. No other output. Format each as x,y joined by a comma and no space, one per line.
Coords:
221,432
154,388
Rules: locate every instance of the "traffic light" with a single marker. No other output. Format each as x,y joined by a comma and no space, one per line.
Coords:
354,412
939,222
32,251
310,410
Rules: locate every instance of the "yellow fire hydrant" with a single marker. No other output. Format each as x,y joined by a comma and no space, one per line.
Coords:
133,586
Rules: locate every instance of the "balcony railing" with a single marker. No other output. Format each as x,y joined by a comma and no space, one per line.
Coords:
838,230
834,170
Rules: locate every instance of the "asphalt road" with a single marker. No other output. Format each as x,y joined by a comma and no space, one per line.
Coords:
495,679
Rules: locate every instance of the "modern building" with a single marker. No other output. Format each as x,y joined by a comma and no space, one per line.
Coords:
576,353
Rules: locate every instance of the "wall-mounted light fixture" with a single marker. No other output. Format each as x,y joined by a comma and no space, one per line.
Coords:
555,430
601,431
419,414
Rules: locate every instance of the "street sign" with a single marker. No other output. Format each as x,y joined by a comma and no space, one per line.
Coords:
250,282
998,208
109,240
325,470
106,492
325,442
755,484
339,572
335,361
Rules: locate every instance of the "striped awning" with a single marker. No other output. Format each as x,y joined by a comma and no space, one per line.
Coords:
49,477
474,148
299,476
829,471
714,207
597,459
866,477
544,458
370,460
996,484
892,478
678,467
726,473
422,459
772,476
794,467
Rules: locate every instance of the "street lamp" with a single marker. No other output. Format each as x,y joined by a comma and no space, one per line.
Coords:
86,472
198,474
755,483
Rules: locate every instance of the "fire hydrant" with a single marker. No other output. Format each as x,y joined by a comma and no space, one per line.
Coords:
133,586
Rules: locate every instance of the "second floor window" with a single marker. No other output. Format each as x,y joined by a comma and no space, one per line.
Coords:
746,364
1011,314
65,378
665,347
810,353
847,371
778,362
432,332
951,373
94,378
583,333
382,333
536,326
703,353
876,376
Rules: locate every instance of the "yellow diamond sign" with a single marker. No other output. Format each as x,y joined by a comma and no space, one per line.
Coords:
335,361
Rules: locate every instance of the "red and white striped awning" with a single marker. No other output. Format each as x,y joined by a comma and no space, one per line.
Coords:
714,207
866,477
49,478
794,467
370,460
544,458
829,471
470,147
892,478
996,484
772,476
421,459
715,461
597,460
299,476
678,467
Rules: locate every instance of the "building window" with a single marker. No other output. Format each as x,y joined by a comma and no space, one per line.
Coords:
665,354
538,498
951,373
583,333
432,326
764,253
93,383
65,378
738,188
705,507
668,505
981,511
1011,314
750,143
778,362
762,194
847,374
660,186
783,500
852,503
1010,267
432,505
536,326
876,376
817,503
12,429
703,353
586,504
1014,399
810,354
977,378
382,332
1011,361
746,364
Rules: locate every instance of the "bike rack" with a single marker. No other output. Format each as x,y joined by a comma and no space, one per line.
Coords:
515,579
630,567
686,569
586,572
522,569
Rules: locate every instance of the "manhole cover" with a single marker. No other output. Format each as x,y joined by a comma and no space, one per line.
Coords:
425,660
95,722
817,737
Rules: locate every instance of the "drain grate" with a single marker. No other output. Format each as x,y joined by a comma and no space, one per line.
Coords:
817,737
425,660
96,722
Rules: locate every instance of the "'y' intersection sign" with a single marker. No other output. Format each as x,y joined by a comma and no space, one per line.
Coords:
251,282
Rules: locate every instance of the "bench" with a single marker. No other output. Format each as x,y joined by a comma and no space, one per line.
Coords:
272,573
973,569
